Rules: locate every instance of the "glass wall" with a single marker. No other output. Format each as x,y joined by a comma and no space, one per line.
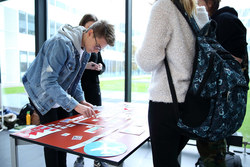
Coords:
17,48
70,12
140,79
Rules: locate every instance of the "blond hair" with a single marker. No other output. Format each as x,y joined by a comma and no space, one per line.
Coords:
189,5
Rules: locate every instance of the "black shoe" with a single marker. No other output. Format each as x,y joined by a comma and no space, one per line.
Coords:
100,164
79,162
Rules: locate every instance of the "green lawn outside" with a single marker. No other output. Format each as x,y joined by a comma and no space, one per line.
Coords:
138,84
112,85
141,85
13,90
245,128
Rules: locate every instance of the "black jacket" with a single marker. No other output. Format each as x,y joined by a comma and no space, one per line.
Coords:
90,81
231,33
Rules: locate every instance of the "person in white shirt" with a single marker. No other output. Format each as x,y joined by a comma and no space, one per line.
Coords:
168,29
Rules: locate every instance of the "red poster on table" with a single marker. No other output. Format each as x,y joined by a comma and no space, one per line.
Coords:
37,132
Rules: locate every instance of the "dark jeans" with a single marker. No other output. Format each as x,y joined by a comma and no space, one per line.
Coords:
167,141
53,158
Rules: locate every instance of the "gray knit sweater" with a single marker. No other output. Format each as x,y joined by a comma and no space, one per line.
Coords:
167,28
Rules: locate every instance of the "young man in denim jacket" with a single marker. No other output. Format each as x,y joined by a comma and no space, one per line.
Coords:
52,81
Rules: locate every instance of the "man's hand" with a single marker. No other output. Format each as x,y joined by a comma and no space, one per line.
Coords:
86,111
87,104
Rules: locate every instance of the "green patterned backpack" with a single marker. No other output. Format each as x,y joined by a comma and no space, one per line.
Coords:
215,104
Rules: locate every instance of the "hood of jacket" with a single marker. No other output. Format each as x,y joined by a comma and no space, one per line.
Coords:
74,34
224,10
231,33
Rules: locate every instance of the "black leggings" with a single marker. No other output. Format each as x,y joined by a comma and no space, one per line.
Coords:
167,141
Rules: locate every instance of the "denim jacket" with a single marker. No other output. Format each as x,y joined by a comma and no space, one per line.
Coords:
53,77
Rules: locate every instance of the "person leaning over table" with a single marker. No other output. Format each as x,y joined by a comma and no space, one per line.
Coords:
52,80
168,29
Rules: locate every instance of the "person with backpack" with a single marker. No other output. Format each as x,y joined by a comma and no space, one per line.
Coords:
231,34
168,30
53,79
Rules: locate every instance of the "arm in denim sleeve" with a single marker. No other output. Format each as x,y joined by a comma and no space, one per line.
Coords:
56,55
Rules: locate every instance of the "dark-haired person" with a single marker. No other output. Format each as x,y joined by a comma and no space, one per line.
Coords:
231,34
168,30
95,67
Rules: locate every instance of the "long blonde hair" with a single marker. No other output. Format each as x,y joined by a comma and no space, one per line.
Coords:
189,5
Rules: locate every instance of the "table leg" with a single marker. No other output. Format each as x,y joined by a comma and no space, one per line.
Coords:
14,152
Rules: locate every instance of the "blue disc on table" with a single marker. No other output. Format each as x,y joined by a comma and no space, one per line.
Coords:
105,148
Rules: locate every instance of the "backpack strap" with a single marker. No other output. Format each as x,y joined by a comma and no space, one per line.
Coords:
190,20
195,28
172,89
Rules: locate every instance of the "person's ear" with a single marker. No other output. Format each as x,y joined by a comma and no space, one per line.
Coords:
90,32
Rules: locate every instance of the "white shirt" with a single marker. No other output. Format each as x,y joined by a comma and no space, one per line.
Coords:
167,28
